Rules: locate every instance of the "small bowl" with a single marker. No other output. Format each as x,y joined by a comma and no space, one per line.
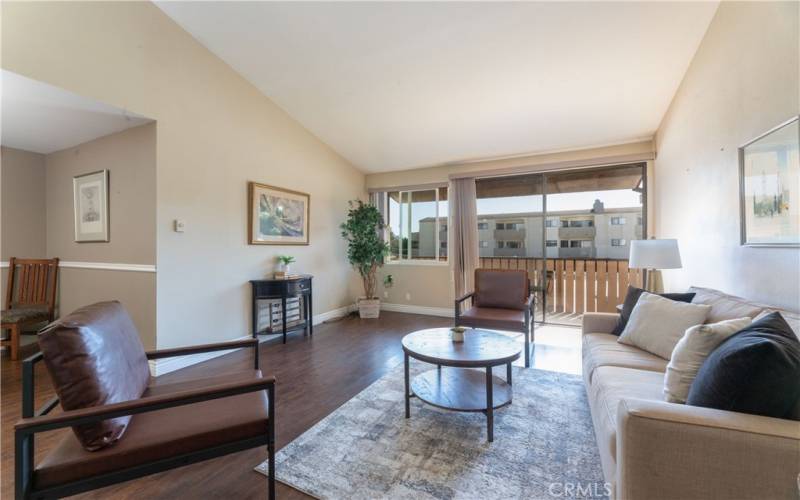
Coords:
459,329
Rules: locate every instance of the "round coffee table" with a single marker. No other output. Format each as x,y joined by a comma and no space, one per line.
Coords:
455,388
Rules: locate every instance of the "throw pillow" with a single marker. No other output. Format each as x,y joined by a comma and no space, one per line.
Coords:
690,352
632,297
755,371
657,324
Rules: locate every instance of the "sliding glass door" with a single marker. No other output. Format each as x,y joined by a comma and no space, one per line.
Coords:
571,232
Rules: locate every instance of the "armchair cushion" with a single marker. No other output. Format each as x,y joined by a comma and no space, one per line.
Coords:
501,288
494,318
164,433
95,357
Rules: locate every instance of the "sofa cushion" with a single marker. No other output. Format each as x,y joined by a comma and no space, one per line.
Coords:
692,349
657,324
755,371
609,385
501,288
632,297
724,306
164,433
494,318
95,357
602,349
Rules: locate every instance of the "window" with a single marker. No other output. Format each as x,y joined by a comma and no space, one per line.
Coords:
417,224
483,225
499,225
484,244
513,244
564,243
551,223
575,244
564,223
586,243
551,243
618,221
581,223
616,242
501,244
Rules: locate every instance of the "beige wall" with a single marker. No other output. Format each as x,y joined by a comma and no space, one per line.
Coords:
23,204
742,81
215,132
531,163
130,158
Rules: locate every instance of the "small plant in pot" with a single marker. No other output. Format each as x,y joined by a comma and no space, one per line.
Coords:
284,262
365,251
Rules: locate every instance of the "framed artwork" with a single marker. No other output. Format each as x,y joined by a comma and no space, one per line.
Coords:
277,216
90,204
769,186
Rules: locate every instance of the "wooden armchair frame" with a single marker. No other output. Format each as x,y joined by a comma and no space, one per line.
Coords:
35,421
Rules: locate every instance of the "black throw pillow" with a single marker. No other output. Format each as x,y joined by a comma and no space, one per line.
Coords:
633,297
756,370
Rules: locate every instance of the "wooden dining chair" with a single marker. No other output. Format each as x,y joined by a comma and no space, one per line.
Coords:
30,298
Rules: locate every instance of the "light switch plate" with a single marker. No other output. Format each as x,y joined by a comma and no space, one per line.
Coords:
180,226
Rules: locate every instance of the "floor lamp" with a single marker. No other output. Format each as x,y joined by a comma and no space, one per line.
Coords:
653,255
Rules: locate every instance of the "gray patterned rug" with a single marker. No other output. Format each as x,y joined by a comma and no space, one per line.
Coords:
543,446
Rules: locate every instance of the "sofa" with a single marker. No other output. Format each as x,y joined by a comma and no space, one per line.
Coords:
657,450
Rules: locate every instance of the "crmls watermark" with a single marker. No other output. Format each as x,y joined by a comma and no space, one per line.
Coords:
580,490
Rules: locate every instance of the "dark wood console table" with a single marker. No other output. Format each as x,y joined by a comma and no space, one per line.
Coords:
298,286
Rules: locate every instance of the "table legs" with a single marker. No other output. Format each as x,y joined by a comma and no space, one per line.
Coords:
489,405
408,398
508,373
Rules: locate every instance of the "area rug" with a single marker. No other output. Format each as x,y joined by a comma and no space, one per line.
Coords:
544,446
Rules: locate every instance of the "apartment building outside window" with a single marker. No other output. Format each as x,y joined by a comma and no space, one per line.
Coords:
551,223
617,242
483,225
551,243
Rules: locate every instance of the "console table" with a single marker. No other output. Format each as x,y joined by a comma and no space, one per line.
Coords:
297,286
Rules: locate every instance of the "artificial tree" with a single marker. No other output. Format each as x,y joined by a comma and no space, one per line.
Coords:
365,247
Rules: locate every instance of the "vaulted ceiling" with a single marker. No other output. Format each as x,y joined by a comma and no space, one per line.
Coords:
395,85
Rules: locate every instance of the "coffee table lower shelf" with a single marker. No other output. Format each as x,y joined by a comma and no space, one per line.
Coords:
460,389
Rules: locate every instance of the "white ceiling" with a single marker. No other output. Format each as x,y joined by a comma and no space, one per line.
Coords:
42,118
394,85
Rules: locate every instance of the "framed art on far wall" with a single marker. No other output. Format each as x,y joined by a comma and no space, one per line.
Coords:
769,187
91,208
277,216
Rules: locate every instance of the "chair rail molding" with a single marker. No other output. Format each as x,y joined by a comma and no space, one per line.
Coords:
101,266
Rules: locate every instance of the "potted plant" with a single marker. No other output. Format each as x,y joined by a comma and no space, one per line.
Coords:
283,265
365,251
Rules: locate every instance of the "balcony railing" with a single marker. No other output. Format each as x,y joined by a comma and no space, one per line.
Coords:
573,286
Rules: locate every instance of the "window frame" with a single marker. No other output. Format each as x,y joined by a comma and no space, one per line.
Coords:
405,219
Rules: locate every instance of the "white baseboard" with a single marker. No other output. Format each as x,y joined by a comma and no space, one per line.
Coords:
444,312
159,367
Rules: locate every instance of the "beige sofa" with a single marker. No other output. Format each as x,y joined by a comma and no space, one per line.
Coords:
651,449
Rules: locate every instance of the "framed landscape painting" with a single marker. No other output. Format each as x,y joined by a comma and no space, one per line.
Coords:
90,206
277,216
769,178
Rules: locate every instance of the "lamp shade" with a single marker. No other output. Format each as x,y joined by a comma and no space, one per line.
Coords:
654,254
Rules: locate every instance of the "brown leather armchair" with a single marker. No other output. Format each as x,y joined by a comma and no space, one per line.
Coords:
97,363
501,301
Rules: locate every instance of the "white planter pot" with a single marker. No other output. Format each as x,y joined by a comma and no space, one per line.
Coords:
369,308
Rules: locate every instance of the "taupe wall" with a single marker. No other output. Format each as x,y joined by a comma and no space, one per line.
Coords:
22,228
37,220
742,81
215,132
130,158
23,204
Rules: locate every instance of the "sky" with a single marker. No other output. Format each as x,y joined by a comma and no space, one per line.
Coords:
620,198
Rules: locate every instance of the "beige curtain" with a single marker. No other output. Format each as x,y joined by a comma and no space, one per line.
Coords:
463,233
378,199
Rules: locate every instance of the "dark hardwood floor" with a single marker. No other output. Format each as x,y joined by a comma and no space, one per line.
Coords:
314,377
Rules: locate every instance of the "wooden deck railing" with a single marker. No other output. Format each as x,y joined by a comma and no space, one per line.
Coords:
575,286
